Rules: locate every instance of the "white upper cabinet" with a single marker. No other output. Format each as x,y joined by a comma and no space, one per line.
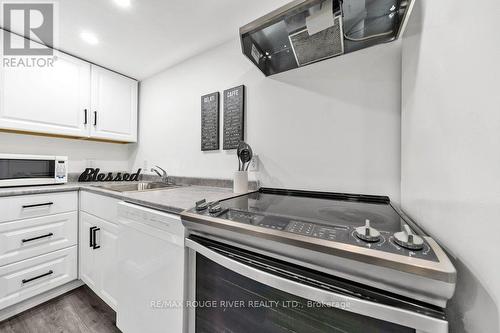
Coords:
70,98
48,100
114,106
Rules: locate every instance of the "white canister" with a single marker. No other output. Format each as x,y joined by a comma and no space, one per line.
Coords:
240,184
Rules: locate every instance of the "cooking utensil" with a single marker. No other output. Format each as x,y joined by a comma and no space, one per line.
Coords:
249,159
246,156
238,153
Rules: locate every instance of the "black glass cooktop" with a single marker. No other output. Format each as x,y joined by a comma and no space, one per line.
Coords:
326,216
328,209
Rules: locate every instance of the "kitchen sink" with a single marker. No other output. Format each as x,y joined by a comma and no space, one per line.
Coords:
137,187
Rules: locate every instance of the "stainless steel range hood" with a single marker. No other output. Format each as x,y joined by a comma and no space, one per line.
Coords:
306,31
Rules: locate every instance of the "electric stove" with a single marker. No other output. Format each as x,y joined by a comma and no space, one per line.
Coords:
361,237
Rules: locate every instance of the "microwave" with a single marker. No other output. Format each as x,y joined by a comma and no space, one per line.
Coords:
25,170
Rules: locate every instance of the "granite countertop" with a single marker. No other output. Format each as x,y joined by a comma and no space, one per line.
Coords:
25,190
176,200
172,200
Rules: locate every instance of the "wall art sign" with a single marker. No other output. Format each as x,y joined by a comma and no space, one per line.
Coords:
234,117
210,122
94,175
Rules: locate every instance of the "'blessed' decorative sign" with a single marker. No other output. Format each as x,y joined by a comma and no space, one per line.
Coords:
93,175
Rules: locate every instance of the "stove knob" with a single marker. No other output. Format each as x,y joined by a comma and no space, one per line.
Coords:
214,208
201,205
408,239
367,233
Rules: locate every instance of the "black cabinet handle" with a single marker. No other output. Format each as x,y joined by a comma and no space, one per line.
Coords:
95,118
85,123
91,237
94,232
38,205
38,277
36,238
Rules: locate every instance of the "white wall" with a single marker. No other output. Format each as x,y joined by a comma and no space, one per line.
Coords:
107,156
451,145
331,126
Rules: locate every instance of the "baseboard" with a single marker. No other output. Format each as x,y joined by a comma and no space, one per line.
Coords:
39,299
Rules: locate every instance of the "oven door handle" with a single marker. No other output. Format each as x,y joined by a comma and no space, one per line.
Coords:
419,322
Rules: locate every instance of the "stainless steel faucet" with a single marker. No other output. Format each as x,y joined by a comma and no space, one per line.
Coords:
163,174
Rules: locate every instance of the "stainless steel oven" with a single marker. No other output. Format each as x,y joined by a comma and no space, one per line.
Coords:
234,289
25,170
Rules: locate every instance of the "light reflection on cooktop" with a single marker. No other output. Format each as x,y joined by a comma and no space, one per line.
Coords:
319,210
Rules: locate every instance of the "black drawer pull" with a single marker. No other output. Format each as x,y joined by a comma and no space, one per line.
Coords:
91,236
85,122
94,231
38,277
36,238
95,118
38,205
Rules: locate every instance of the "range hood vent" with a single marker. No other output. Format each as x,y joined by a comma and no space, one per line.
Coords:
306,31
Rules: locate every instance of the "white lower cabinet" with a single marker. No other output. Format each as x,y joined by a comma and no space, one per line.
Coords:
38,246
24,279
98,246
36,205
28,238
131,257
88,268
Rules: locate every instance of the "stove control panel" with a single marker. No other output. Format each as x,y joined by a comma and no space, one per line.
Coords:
404,243
360,236
201,205
408,239
367,233
311,230
214,208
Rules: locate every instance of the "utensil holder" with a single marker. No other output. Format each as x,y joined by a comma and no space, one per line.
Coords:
240,184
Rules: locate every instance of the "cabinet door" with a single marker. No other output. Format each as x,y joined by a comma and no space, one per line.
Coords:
114,106
47,99
106,260
88,268
25,279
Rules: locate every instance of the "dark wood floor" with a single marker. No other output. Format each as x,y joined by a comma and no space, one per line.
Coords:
79,310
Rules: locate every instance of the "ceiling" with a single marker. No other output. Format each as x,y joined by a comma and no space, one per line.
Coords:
152,35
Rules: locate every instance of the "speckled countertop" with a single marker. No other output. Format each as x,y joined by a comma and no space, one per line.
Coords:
179,199
171,200
25,190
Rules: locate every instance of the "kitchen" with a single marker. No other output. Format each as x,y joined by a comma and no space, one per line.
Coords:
409,124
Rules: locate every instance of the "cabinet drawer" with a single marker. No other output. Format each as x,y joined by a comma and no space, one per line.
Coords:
98,205
24,239
27,206
28,278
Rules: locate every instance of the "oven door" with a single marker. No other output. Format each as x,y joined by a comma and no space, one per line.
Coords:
233,290
22,170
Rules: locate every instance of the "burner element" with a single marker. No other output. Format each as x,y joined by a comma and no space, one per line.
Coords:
367,233
408,239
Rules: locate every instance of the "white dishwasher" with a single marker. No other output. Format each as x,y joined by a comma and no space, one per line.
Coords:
151,258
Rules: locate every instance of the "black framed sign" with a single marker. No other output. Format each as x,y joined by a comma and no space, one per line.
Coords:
234,117
210,122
